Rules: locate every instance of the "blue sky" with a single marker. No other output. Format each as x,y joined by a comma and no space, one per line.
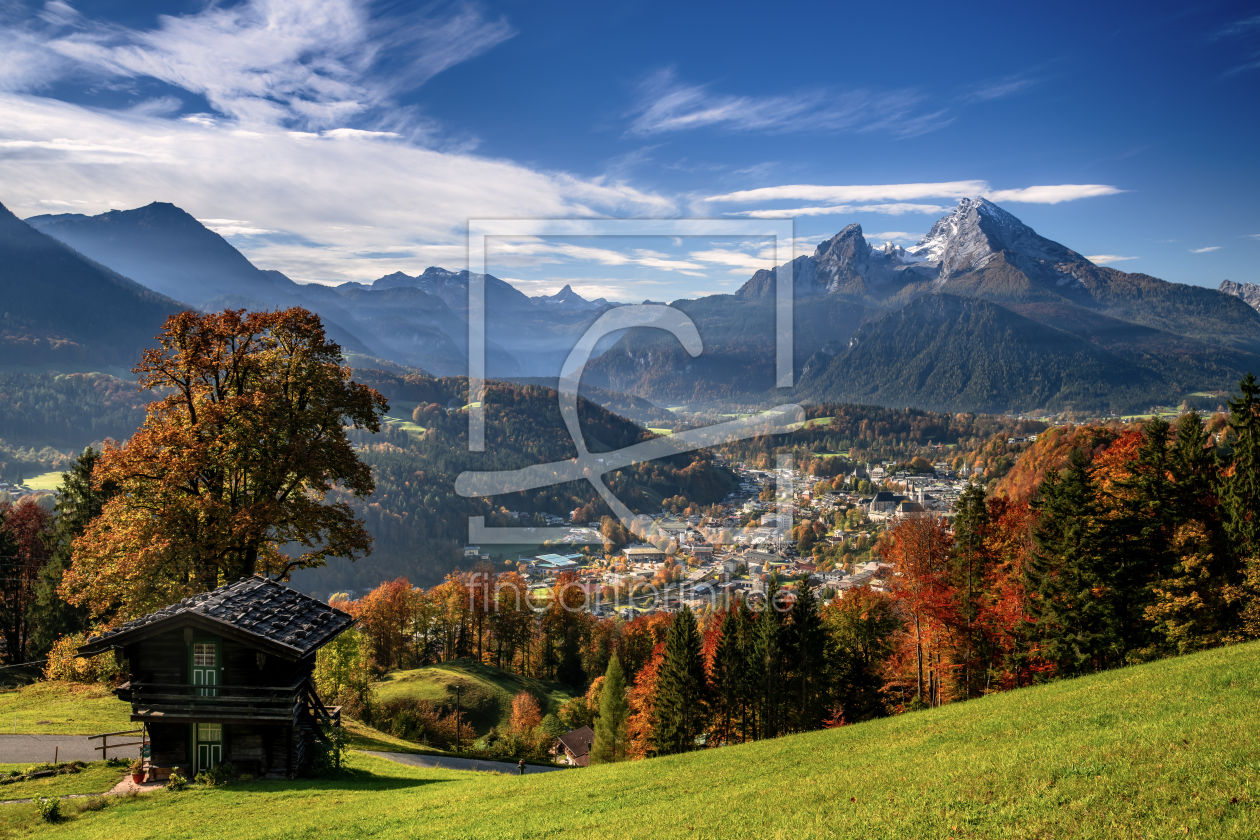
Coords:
341,139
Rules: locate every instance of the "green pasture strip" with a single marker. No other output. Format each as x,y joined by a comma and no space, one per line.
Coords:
1158,751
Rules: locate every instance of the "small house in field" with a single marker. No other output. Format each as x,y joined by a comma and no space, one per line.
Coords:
574,748
226,676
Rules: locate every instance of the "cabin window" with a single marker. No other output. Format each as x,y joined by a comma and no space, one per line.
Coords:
204,654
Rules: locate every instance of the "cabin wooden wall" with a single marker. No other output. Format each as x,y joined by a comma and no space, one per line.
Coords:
169,744
159,659
164,659
240,667
259,749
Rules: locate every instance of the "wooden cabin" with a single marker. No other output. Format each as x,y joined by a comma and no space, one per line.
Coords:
226,676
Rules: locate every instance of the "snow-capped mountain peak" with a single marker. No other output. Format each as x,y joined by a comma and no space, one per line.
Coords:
975,232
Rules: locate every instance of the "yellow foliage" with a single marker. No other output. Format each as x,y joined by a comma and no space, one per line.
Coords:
65,664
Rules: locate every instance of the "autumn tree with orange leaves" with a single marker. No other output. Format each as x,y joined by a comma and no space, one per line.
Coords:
919,547
229,473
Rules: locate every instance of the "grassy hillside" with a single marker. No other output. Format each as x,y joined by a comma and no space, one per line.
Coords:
95,777
1163,750
485,693
62,708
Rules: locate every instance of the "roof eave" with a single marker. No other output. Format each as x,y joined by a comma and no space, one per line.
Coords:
204,622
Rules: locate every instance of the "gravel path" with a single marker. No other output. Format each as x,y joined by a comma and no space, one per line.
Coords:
31,749
441,762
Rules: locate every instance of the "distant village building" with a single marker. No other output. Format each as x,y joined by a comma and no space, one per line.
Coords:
574,748
644,554
557,562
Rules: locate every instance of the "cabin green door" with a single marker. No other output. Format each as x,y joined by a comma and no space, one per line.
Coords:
209,745
206,667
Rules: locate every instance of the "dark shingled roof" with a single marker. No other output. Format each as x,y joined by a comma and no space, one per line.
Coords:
256,606
578,741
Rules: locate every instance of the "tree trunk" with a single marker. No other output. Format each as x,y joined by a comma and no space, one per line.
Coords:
918,649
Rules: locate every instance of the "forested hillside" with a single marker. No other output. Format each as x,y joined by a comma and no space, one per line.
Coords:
67,410
839,437
418,520
949,353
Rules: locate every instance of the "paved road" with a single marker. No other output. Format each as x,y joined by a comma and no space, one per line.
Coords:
23,749
441,762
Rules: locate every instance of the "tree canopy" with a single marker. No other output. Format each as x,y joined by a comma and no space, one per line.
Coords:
229,473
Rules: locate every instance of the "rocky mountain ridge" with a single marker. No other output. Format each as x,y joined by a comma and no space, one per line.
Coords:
1248,293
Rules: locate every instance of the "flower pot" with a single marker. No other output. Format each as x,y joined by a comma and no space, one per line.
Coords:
138,778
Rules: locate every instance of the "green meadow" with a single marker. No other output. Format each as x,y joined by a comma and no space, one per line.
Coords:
44,481
62,708
1157,751
485,692
96,777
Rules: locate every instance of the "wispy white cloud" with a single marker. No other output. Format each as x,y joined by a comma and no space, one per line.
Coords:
1205,250
234,227
842,209
1051,194
849,193
893,236
666,104
1243,26
855,193
275,62
331,198
998,89
1247,30
536,251
1103,259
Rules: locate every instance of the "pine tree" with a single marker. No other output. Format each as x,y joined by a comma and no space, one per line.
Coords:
745,688
680,688
1191,461
1240,487
806,647
765,667
610,727
1077,621
78,504
970,563
1239,494
1143,521
730,670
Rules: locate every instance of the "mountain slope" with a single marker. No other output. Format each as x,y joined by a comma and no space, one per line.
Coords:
1160,750
167,250
418,321
58,305
946,353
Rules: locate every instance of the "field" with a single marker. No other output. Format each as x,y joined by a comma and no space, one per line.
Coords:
485,693
812,424
406,425
44,481
62,708
1158,751
96,777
